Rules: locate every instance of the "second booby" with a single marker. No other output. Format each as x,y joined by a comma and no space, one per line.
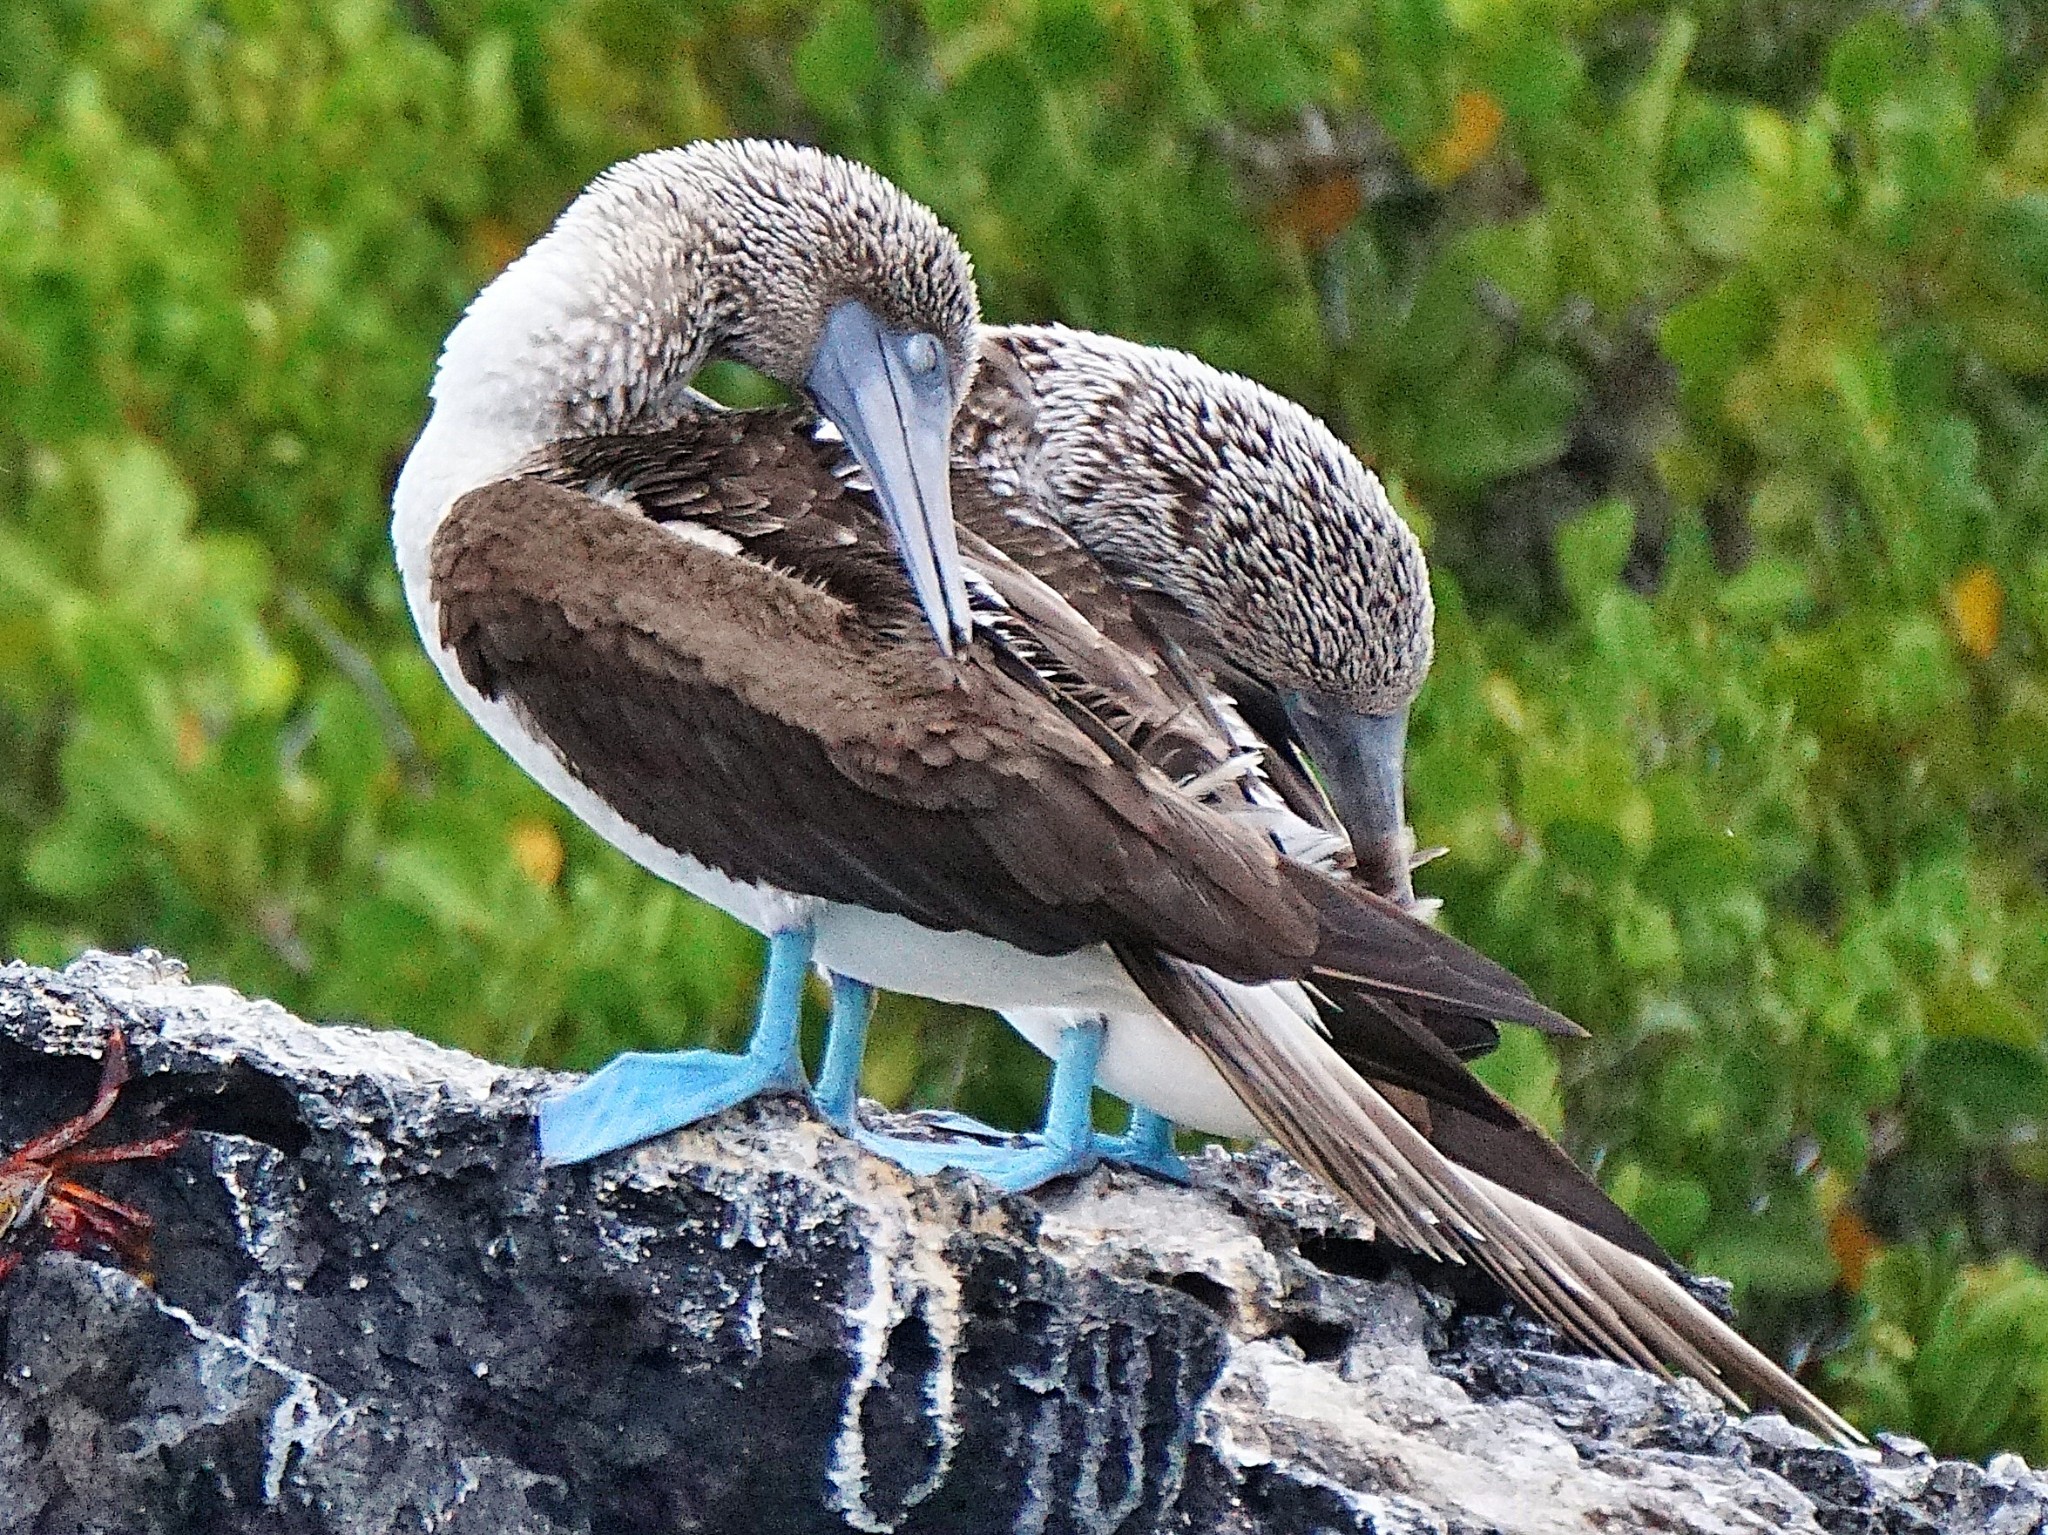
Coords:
1243,534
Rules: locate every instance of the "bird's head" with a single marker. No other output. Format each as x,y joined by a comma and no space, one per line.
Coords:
1265,534
809,268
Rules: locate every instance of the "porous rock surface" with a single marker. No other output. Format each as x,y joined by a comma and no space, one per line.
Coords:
376,1312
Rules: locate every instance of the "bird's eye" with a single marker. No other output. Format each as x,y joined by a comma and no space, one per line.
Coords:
921,352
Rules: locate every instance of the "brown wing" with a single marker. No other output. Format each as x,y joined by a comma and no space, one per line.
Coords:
1103,712
765,726
1042,741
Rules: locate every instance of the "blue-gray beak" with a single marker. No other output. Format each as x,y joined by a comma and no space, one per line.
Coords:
1359,759
891,396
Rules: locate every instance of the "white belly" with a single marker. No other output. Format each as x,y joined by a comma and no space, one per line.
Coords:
1145,1059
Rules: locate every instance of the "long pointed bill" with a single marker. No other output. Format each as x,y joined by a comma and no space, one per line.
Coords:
899,423
1359,759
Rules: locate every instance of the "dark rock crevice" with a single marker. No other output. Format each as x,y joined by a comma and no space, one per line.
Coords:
375,1312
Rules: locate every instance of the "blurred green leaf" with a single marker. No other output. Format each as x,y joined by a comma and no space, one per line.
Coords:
1707,346
1592,550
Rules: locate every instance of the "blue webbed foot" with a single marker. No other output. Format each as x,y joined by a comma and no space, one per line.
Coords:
1146,1144
1068,1146
1016,1163
640,1095
952,1140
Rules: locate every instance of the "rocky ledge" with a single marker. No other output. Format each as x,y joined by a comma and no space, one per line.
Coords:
375,1312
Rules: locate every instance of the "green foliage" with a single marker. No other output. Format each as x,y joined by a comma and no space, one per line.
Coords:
1707,345
1957,1350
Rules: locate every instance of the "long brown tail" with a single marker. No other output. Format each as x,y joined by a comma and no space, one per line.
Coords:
1612,1300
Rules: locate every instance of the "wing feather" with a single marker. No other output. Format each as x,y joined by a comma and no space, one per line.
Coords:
747,717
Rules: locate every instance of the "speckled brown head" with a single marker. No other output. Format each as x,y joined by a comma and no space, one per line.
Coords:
1251,519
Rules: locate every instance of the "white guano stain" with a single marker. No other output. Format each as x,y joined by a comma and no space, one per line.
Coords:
905,1277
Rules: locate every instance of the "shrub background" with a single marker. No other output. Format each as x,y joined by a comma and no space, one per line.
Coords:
1706,345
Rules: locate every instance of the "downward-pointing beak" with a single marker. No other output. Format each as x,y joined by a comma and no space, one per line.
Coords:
898,419
1359,759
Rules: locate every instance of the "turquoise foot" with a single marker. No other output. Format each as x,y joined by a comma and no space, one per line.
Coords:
1146,1144
639,1095
1016,1163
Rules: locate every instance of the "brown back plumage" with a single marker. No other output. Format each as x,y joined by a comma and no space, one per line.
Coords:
781,717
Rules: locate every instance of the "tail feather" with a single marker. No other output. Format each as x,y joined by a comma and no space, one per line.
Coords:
1386,1042
1697,1341
1370,942
1509,1150
1609,1298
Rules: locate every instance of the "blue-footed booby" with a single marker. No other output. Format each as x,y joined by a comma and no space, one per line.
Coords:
1227,536
692,626
811,269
